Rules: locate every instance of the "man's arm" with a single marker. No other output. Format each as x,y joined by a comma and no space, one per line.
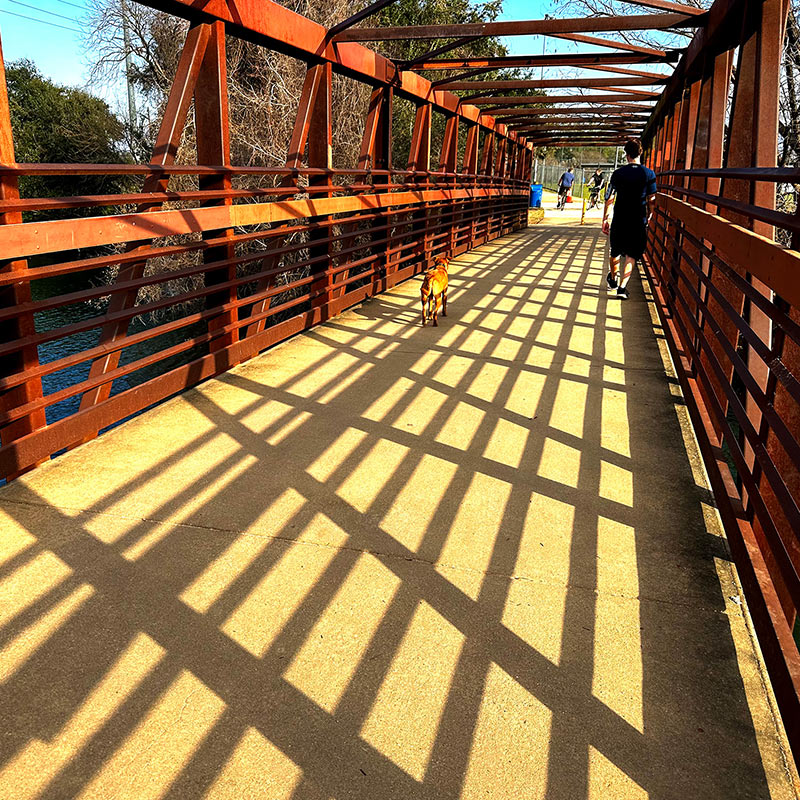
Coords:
611,191
652,188
651,206
606,207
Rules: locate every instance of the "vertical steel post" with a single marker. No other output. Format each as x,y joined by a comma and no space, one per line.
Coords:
212,128
419,160
376,154
15,295
164,152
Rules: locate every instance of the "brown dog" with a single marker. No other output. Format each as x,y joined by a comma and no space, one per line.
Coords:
434,290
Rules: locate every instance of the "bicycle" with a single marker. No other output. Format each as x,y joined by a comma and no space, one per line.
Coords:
594,199
562,201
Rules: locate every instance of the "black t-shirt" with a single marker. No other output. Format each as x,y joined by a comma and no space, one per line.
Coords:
597,180
633,184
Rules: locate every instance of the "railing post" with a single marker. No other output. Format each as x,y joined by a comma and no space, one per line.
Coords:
448,160
419,160
213,148
26,359
376,154
312,85
164,152
320,155
470,168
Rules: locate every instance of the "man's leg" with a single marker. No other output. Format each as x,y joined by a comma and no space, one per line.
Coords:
628,264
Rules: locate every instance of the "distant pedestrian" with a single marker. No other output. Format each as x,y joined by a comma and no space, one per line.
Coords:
565,186
634,187
596,183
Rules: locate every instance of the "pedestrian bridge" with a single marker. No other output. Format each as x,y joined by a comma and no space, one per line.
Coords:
388,561
266,536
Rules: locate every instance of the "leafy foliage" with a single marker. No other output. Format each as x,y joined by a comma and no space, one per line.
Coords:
55,124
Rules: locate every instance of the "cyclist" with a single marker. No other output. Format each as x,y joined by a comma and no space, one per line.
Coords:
564,186
596,183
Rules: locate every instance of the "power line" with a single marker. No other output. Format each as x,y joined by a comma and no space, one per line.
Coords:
67,3
42,10
41,21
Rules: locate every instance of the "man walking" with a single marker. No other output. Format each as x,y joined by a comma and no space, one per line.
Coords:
634,187
564,185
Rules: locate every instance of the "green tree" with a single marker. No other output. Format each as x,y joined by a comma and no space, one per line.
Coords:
57,124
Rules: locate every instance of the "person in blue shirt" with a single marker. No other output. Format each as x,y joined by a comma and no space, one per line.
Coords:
564,185
632,191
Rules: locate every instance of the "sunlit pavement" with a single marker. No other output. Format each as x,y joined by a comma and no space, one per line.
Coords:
387,561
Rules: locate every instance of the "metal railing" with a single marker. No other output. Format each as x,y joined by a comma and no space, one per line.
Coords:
203,266
210,285
725,269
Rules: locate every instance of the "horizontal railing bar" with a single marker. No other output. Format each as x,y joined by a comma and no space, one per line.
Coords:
164,277
87,201
778,546
777,218
134,366
108,377
772,627
84,265
770,309
772,174
54,169
771,264
782,433
120,316
37,238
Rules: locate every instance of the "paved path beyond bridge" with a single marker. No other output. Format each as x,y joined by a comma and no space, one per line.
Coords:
389,562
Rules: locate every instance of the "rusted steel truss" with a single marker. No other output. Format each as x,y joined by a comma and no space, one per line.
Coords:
260,259
255,261
729,299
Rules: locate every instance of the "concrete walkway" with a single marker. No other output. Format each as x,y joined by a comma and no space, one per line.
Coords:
390,562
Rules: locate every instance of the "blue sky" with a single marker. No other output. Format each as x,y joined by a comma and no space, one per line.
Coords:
56,51
59,52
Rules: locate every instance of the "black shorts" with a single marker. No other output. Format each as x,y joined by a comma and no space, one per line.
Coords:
563,189
628,238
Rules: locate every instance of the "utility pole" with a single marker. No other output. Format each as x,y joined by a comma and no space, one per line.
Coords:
126,39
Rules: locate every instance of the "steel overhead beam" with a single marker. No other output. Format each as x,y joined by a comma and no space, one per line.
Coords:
538,123
639,92
568,143
580,124
633,22
595,133
593,60
582,121
471,74
721,32
532,125
633,48
535,124
445,48
666,5
632,111
484,100
588,136
624,71
509,117
281,29
555,83
561,141
371,9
